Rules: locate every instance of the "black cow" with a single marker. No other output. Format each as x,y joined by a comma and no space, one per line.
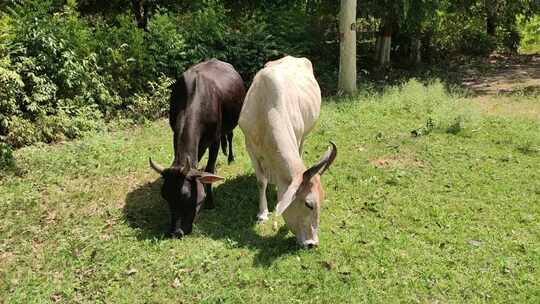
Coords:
204,107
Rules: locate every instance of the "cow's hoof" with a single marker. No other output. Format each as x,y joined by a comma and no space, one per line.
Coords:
263,217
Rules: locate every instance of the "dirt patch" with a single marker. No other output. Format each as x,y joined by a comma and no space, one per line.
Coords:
510,106
397,161
501,74
506,86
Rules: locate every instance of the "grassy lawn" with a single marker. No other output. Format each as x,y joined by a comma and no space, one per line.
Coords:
451,215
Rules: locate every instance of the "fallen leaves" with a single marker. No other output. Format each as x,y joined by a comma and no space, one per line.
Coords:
131,271
176,283
475,243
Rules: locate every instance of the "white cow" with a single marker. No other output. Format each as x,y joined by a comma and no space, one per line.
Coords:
280,109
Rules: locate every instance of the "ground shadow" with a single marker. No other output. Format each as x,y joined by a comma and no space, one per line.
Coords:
232,221
472,76
147,212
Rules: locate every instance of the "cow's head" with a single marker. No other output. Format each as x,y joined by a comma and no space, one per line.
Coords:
301,202
184,191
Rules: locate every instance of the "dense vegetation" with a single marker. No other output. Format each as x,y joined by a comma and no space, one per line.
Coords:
69,66
450,215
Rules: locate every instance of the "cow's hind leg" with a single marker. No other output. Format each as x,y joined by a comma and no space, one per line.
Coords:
230,139
211,168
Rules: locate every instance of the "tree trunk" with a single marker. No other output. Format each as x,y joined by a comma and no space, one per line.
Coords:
491,25
416,54
491,17
140,10
347,47
384,44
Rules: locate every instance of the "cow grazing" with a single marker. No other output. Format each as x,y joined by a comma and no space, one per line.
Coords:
281,108
205,104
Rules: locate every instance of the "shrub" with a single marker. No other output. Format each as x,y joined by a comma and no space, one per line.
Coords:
205,31
431,103
249,45
122,57
6,156
153,104
61,77
166,45
475,41
530,32
51,82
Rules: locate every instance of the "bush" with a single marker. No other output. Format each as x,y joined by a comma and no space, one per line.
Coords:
530,32
122,57
166,45
51,84
248,41
508,39
151,105
432,103
249,46
61,77
476,41
205,31
6,156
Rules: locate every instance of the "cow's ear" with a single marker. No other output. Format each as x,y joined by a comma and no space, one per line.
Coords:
207,178
326,160
288,197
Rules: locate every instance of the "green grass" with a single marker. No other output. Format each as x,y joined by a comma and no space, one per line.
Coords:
449,216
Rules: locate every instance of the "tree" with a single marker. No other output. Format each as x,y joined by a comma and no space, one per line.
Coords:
140,9
347,47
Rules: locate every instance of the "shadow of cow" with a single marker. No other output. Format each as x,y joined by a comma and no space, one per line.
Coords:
233,220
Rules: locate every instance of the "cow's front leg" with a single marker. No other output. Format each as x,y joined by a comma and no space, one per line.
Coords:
211,168
262,183
175,229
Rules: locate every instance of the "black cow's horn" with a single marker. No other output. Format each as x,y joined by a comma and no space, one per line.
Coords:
326,160
159,169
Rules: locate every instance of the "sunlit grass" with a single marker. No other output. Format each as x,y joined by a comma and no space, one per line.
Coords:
449,214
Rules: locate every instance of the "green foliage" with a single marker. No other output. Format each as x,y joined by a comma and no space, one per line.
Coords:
206,32
458,33
153,104
166,44
59,69
247,42
61,78
475,41
530,31
432,103
52,85
6,156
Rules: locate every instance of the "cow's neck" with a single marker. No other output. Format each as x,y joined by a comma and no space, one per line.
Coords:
287,169
186,143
